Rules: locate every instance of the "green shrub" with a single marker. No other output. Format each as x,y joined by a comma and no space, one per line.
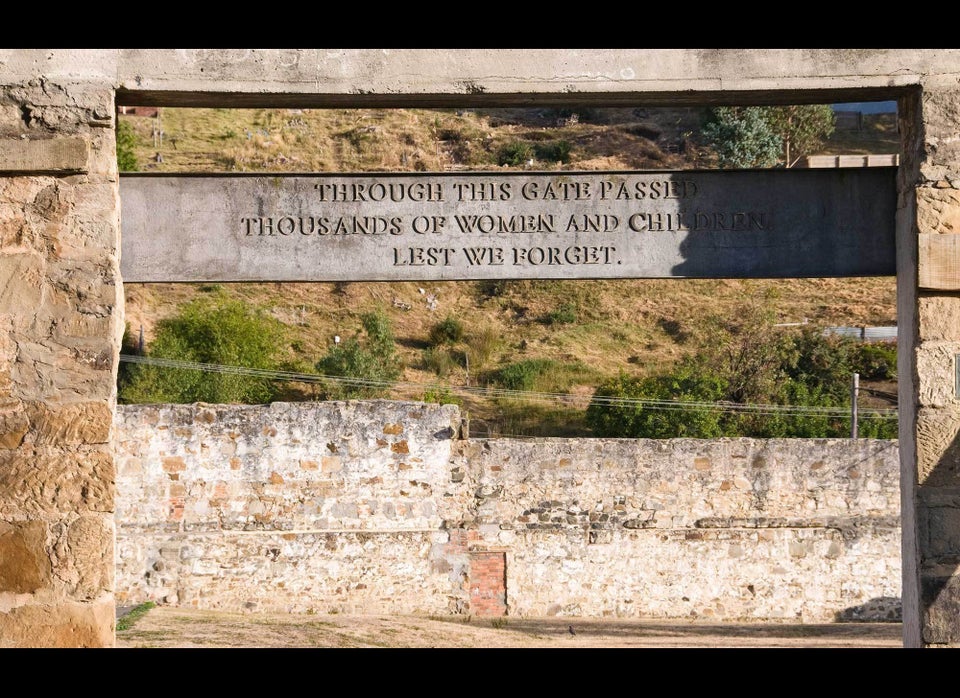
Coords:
744,365
481,346
742,137
442,395
634,418
876,361
543,375
210,330
447,331
873,426
553,151
515,154
126,147
523,375
369,362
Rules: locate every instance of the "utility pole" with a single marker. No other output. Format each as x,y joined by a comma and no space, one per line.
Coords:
854,394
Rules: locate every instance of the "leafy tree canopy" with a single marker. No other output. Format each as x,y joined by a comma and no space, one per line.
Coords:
213,330
760,137
370,358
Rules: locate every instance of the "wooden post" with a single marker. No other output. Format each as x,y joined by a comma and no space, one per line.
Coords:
854,394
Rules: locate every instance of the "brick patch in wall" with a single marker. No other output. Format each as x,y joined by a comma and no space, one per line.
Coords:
488,583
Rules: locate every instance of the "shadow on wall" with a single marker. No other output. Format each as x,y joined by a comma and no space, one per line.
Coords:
797,223
939,542
883,609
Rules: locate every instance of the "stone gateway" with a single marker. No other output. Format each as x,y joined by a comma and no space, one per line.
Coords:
65,212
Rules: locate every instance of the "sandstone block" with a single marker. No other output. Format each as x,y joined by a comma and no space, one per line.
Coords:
940,601
939,318
83,558
939,261
24,562
48,155
67,625
21,281
942,532
13,424
72,423
103,152
44,372
45,480
11,124
938,210
937,377
938,449
940,109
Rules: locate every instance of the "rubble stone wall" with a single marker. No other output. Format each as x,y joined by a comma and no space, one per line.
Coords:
383,507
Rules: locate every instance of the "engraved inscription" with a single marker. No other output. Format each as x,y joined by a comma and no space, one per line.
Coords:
512,225
548,192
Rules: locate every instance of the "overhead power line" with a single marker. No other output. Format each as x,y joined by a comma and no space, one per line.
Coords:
492,392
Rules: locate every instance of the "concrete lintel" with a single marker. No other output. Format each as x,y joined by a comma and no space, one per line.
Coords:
434,77
59,65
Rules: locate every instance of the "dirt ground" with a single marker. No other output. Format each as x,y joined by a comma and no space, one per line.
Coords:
168,627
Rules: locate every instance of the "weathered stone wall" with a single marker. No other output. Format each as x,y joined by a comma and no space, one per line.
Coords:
60,327
934,474
381,507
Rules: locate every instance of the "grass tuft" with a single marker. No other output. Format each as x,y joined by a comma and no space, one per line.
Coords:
128,620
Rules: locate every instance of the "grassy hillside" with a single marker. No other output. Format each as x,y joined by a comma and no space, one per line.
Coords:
586,330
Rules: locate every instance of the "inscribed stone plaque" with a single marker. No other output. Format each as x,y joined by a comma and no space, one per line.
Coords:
583,225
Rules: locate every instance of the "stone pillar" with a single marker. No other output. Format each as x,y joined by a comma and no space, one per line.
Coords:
930,407
61,309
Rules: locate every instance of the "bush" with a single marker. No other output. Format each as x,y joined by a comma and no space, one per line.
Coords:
876,361
522,375
515,154
542,375
211,330
553,151
442,395
481,347
126,147
447,331
824,362
746,362
370,366
645,411
742,137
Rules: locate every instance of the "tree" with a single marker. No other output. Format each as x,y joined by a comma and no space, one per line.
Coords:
126,147
742,137
756,137
373,363
215,331
802,128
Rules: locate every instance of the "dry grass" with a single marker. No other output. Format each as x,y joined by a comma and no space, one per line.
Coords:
633,325
168,627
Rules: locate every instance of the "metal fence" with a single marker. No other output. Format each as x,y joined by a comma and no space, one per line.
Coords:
865,334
